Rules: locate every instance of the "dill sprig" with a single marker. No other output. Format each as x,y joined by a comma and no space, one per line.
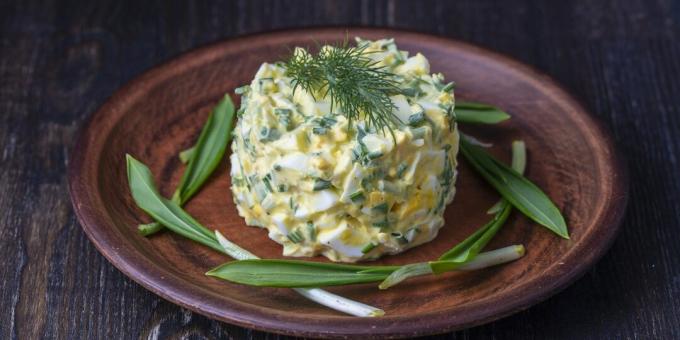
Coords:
353,82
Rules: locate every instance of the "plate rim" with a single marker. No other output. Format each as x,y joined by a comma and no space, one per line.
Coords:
143,271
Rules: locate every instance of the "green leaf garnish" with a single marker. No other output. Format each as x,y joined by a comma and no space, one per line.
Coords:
477,113
163,210
519,191
352,81
297,274
210,148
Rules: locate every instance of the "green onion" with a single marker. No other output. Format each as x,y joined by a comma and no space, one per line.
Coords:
268,134
419,132
416,119
165,211
382,224
284,117
321,184
400,169
515,188
448,87
280,111
381,208
296,236
317,130
476,113
311,230
241,90
267,182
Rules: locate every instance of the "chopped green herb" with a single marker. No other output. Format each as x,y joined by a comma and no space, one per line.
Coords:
448,87
416,119
399,237
381,208
296,236
311,230
282,111
284,116
368,247
321,184
382,224
268,134
317,130
357,196
267,182
241,90
400,169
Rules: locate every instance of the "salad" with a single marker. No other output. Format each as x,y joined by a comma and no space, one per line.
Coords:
349,153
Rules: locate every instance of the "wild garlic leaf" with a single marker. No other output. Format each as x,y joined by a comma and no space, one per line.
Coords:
208,150
471,246
297,274
185,155
519,164
519,191
477,113
168,213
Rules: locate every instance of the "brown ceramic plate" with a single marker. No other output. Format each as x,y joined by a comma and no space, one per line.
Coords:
161,112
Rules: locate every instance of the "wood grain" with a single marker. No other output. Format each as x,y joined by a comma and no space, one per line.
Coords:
160,113
60,60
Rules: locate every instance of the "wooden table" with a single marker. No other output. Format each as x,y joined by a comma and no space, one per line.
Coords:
60,60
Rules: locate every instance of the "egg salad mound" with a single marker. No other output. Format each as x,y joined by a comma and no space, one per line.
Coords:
323,185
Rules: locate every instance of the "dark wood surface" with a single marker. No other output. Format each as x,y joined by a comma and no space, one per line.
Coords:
160,113
60,60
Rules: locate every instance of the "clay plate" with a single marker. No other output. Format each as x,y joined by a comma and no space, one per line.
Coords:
161,112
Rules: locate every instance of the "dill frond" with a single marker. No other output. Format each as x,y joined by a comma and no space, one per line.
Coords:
352,81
